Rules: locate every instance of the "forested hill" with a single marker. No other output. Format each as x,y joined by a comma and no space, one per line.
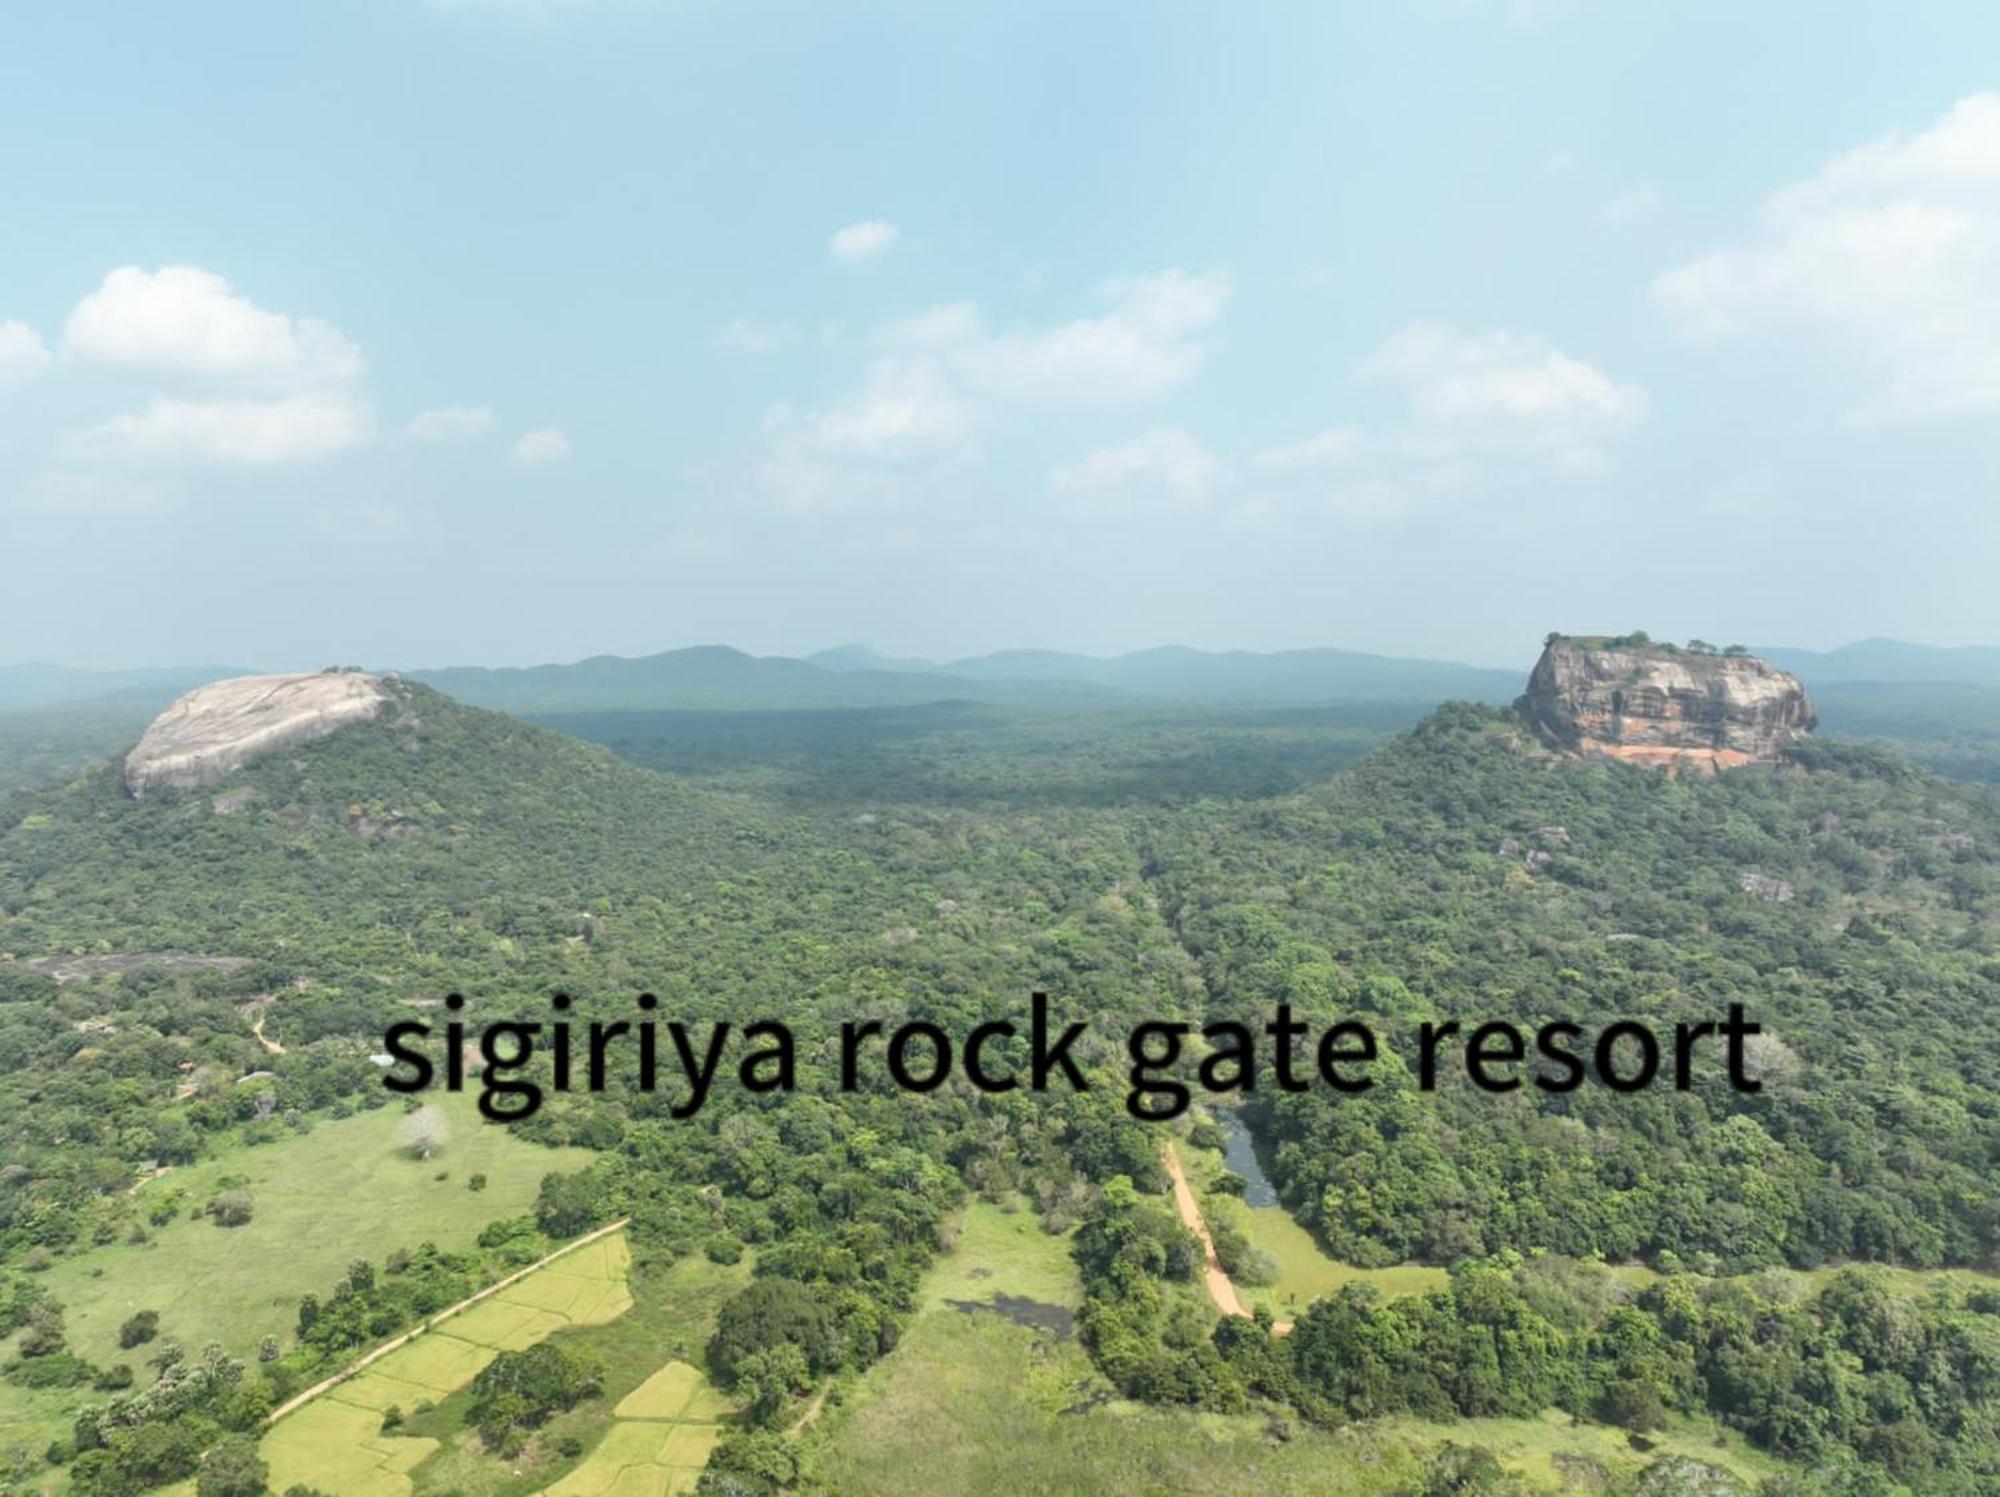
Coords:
1846,899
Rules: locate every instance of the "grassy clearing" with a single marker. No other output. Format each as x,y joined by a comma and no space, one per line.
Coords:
656,1410
1004,1250
1305,1273
1561,1454
342,1191
32,1417
976,1404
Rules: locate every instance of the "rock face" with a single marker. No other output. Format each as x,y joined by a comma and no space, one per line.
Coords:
1663,705
216,729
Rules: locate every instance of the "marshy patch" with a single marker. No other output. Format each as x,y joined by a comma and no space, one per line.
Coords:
1058,1320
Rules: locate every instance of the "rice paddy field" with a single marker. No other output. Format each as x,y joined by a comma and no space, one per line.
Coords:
650,1431
664,1431
335,1443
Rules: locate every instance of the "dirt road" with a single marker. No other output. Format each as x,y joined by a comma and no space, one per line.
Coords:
1221,1288
410,1335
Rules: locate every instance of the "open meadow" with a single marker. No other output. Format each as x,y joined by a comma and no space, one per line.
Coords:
347,1188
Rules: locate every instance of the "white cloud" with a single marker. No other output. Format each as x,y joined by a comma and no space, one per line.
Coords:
183,318
1453,375
1893,249
1152,339
942,379
862,241
1486,414
1164,471
294,429
1333,448
1561,161
906,411
23,355
752,335
451,423
542,446
1631,206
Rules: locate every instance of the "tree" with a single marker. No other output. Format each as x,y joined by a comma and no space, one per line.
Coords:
522,1388
138,1329
232,1468
566,1205
425,1131
773,1312
230,1209
767,1379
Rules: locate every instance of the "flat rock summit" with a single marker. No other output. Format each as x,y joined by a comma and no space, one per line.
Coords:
1692,707
216,729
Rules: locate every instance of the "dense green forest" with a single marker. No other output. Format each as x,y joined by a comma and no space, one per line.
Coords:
943,863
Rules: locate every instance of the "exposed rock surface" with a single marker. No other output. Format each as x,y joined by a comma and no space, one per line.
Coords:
1662,705
216,729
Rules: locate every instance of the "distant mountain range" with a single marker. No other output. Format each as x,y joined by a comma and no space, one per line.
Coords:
147,690
1890,662
719,677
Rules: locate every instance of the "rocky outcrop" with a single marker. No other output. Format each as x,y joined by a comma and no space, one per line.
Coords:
1654,704
216,729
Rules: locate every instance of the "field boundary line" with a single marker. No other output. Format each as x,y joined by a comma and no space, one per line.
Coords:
396,1343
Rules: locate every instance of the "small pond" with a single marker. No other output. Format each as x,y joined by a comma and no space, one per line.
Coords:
1240,1153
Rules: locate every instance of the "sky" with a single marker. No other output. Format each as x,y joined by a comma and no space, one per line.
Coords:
425,332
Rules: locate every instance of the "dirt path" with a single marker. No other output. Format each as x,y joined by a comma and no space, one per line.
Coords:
257,1027
1221,1288
812,1410
325,1384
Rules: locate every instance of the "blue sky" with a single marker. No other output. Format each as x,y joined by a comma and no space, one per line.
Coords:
496,331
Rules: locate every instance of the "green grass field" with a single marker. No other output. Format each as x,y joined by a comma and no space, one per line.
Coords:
343,1190
1305,1273
975,1404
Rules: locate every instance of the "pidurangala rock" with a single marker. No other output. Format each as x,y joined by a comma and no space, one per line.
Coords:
216,729
1686,708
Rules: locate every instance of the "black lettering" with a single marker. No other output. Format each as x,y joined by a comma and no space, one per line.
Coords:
940,1056
600,1036
1145,1085
1283,1030
1545,1042
1478,1053
495,1081
1738,1031
1428,1035
780,1052
416,1060
1237,1056
851,1036
1044,1057
1684,1037
699,1073
975,1048
1330,1058
1649,1051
